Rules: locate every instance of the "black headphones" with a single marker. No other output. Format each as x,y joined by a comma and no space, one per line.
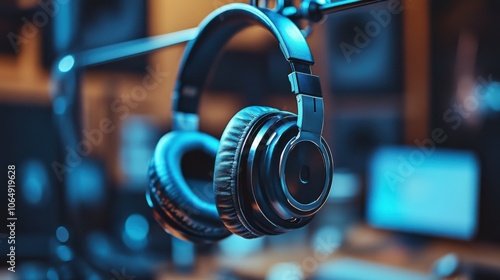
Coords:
273,169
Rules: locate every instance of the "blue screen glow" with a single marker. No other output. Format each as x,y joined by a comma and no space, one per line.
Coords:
432,192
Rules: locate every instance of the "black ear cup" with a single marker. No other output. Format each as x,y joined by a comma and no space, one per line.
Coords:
176,206
266,181
227,167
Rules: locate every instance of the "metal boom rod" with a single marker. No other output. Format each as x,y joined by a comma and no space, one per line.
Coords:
337,6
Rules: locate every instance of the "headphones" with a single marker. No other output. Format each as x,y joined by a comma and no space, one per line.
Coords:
273,170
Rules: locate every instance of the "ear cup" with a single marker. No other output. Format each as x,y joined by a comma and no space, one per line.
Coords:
226,169
175,204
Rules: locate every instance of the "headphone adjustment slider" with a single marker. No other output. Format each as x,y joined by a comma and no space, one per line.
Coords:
310,115
307,88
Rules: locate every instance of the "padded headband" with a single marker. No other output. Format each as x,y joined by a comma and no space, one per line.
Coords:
214,32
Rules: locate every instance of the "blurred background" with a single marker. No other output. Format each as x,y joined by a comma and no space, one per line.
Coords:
412,92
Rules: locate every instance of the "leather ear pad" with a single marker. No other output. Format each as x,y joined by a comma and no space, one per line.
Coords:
176,207
226,168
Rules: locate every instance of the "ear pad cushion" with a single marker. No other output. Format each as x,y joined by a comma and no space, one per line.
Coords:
176,206
226,168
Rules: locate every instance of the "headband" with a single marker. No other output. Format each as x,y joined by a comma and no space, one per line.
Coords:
215,31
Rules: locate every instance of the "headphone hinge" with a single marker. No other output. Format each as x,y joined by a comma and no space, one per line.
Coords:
305,83
310,114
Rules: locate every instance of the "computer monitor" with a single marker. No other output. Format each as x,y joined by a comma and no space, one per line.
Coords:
424,191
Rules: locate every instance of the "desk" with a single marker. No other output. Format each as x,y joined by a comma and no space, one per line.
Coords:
362,243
